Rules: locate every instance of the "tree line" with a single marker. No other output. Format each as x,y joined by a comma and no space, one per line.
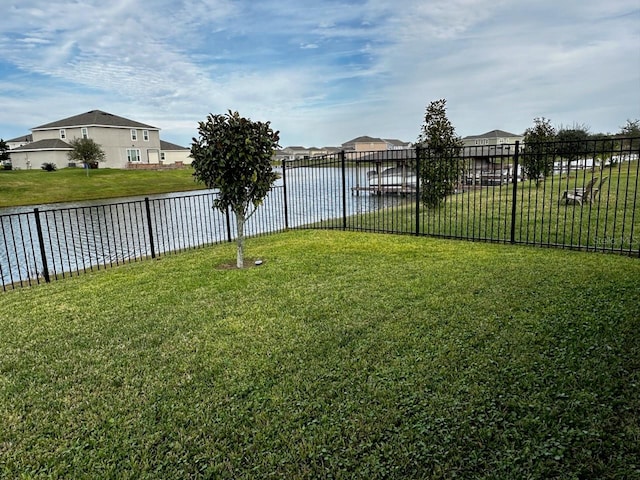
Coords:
440,149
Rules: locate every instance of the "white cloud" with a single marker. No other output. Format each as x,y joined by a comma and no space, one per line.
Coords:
322,72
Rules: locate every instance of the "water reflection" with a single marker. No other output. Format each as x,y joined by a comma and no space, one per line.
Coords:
81,236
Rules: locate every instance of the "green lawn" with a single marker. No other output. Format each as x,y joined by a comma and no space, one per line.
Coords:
611,222
32,187
345,355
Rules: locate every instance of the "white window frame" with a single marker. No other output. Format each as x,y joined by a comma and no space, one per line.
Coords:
162,156
136,151
84,132
145,135
134,134
63,134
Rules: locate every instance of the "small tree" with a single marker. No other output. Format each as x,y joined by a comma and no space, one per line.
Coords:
537,160
4,152
572,143
233,154
631,132
85,151
441,166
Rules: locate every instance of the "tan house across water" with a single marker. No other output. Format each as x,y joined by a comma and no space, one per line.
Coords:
126,143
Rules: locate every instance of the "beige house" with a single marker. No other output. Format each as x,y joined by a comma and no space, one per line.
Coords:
371,144
301,153
490,155
365,144
19,141
172,154
126,143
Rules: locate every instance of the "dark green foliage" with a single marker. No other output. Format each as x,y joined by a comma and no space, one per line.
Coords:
631,132
233,154
49,167
86,151
572,142
4,151
537,158
439,154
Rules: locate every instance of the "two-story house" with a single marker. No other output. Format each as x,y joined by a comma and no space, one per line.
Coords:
490,155
126,143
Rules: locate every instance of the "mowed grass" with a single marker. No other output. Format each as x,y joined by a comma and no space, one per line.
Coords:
33,187
345,355
542,218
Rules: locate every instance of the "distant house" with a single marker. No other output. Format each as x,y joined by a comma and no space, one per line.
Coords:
490,142
126,143
173,154
490,154
365,144
373,144
301,153
19,141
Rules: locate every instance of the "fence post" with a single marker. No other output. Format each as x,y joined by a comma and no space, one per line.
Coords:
228,215
150,227
418,149
344,191
284,192
45,268
516,159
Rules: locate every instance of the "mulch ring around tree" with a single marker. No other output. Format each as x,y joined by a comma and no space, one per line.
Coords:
231,264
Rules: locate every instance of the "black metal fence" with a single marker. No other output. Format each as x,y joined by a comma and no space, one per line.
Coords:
43,245
587,200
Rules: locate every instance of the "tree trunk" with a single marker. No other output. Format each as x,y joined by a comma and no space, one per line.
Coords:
240,240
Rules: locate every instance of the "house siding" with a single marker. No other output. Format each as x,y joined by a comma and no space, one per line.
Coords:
114,142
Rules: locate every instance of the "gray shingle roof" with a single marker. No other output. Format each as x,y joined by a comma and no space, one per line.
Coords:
23,138
364,139
47,144
170,146
95,118
494,134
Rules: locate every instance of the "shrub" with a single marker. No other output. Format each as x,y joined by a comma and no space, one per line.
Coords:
49,167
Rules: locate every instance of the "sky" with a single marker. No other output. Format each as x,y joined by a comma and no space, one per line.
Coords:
322,72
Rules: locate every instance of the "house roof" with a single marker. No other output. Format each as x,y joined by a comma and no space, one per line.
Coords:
23,138
170,146
47,144
94,118
494,134
396,142
364,139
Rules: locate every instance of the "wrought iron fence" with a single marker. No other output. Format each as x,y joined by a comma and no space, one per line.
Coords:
587,199
42,245
585,195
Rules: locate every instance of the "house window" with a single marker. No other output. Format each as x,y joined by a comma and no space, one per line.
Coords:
63,134
162,156
145,135
85,132
133,154
134,135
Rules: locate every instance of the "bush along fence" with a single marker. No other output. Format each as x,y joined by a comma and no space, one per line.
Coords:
585,198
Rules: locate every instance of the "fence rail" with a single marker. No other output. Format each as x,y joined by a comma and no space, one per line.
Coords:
492,199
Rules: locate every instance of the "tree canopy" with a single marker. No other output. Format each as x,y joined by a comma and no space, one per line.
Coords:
86,151
537,159
572,142
233,155
4,151
440,148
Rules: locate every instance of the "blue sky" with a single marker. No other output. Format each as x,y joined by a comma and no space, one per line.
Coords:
322,71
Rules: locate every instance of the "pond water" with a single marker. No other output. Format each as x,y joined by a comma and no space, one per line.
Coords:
82,235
